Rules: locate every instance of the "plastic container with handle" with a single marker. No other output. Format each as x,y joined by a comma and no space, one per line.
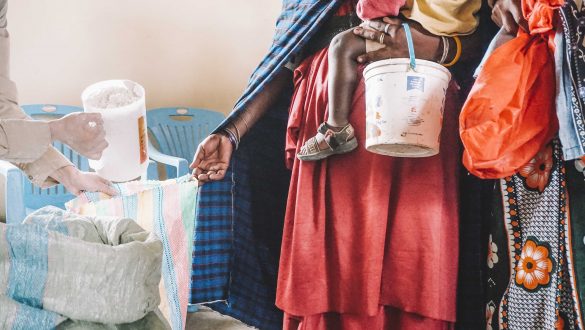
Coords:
126,157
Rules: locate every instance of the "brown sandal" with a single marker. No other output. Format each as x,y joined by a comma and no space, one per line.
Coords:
339,142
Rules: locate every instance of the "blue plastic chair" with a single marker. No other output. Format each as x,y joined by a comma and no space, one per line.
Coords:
21,196
175,134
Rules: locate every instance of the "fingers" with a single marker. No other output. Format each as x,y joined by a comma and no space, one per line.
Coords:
91,182
217,175
93,117
86,120
106,188
97,183
509,23
97,151
94,155
376,55
203,178
367,33
211,176
199,156
211,172
206,149
211,159
196,165
101,147
391,27
520,20
508,14
496,17
378,29
377,25
104,180
95,126
392,20
101,137
73,189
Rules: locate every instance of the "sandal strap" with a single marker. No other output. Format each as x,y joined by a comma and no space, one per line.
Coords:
335,138
312,146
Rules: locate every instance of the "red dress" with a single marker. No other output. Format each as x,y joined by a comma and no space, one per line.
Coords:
369,241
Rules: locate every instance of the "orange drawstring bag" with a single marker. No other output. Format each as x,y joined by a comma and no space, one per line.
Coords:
510,112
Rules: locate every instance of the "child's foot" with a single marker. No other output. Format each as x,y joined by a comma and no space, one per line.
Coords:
328,141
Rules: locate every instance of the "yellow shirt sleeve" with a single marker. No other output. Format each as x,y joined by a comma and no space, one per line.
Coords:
444,17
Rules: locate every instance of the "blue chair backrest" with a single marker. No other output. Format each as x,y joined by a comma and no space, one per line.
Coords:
35,197
178,131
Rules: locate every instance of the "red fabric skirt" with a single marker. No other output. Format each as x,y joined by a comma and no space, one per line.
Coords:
370,241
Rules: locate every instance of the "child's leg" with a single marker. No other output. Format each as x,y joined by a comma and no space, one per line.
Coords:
337,136
343,51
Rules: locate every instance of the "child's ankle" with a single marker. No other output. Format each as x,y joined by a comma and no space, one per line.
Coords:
336,126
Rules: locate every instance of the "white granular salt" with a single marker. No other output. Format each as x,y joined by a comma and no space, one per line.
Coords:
113,97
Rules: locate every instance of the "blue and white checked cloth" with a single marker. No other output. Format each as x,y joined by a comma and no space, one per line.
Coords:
241,272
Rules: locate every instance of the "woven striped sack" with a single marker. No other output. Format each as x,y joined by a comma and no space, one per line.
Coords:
166,208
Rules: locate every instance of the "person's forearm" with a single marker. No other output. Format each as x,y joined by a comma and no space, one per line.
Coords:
40,171
38,160
256,108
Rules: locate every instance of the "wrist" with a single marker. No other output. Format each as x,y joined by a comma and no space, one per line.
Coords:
55,127
64,174
442,50
232,137
454,53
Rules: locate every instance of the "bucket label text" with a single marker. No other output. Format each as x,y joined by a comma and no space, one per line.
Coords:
415,83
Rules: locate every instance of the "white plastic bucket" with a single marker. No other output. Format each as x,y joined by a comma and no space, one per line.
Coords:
404,106
126,157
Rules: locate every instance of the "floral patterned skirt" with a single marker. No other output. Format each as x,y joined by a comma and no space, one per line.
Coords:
536,252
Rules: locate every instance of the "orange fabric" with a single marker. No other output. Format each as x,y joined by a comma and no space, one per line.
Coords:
540,14
510,112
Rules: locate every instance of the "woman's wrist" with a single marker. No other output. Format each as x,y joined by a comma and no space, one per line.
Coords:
64,174
56,128
442,51
449,51
231,133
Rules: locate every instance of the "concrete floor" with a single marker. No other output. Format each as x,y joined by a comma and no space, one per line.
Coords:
207,319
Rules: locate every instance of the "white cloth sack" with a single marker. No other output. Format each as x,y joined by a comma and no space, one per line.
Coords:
96,269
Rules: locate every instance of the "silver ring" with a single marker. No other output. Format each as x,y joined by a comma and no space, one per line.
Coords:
386,28
382,35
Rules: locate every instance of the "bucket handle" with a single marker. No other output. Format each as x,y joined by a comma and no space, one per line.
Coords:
410,45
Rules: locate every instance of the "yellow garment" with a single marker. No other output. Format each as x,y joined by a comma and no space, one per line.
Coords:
444,17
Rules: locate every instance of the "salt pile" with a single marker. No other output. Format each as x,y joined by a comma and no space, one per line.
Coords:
113,97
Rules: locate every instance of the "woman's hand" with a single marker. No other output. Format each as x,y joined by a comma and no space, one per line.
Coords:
426,45
212,158
83,132
77,182
508,14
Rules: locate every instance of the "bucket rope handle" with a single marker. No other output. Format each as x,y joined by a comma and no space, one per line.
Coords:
410,45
